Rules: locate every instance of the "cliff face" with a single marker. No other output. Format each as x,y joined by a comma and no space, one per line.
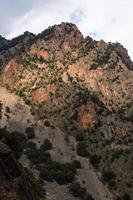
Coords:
72,85
105,69
13,184
60,57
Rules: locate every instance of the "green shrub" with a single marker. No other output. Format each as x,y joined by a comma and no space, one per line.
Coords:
94,160
77,164
31,145
32,154
69,166
126,196
82,149
46,145
46,174
108,176
88,197
61,173
8,109
63,177
16,141
30,133
116,154
79,136
112,184
46,123
37,157
77,190
54,165
43,157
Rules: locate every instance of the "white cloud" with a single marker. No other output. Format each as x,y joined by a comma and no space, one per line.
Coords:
43,16
109,20
77,16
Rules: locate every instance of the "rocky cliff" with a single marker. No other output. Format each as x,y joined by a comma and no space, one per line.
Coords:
77,91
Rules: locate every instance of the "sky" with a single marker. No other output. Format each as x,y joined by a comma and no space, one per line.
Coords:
110,20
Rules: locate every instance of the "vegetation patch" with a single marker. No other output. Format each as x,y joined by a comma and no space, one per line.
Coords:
16,141
78,191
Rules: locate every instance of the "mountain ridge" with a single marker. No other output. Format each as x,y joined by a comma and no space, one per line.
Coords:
78,91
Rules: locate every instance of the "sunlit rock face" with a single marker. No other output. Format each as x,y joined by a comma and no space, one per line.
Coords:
60,53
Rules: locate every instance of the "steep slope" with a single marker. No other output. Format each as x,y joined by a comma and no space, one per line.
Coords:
17,118
14,185
74,87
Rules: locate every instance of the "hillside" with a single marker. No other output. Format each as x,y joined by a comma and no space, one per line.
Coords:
71,98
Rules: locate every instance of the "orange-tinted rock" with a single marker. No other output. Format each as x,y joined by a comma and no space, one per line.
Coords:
44,54
41,95
34,51
59,65
66,46
77,69
12,70
87,116
105,89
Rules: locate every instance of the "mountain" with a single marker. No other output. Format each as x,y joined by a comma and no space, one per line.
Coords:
66,112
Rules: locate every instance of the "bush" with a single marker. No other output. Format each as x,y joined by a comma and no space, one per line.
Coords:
88,197
69,166
8,109
94,160
126,196
31,145
116,154
47,174
77,190
46,145
63,177
79,136
36,156
46,123
82,149
108,176
53,165
112,184
30,133
77,164
65,173
32,154
16,141
43,157
61,173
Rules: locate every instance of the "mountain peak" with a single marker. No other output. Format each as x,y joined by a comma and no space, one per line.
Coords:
65,31
66,26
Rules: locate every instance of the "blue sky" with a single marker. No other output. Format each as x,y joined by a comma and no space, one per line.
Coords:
110,20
